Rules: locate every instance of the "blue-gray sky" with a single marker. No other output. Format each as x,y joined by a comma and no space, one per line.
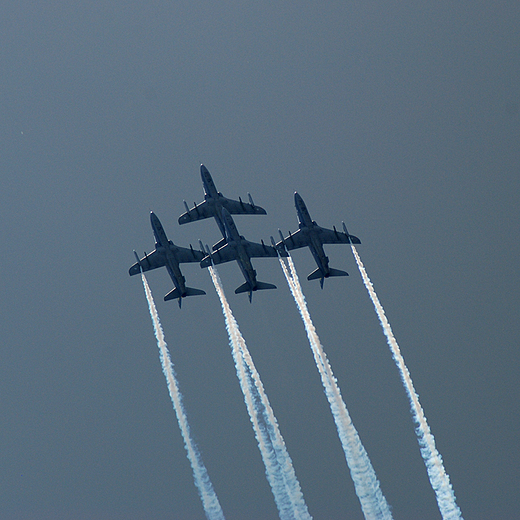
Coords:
401,118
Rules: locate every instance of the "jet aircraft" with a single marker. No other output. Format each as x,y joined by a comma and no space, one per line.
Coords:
239,249
314,236
213,204
167,254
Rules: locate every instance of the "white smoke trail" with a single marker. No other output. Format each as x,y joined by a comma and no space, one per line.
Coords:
207,494
278,465
278,444
439,479
274,478
373,503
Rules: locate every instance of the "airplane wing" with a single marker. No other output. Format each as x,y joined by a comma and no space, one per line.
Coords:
148,262
329,236
220,256
294,241
198,212
255,250
185,254
237,207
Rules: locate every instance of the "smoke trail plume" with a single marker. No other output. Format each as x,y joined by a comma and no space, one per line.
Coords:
373,503
439,479
278,465
207,494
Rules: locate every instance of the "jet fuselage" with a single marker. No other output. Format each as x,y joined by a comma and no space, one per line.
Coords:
213,198
210,190
309,228
235,241
162,246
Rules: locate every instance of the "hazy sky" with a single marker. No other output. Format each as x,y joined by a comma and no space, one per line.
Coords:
400,118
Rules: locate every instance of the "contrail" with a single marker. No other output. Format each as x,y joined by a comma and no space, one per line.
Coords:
207,494
278,465
439,479
373,503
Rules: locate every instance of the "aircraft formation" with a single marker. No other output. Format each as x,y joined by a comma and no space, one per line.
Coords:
233,245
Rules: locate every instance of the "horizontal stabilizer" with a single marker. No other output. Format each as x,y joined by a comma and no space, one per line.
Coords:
172,295
337,272
317,274
260,286
245,287
190,291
